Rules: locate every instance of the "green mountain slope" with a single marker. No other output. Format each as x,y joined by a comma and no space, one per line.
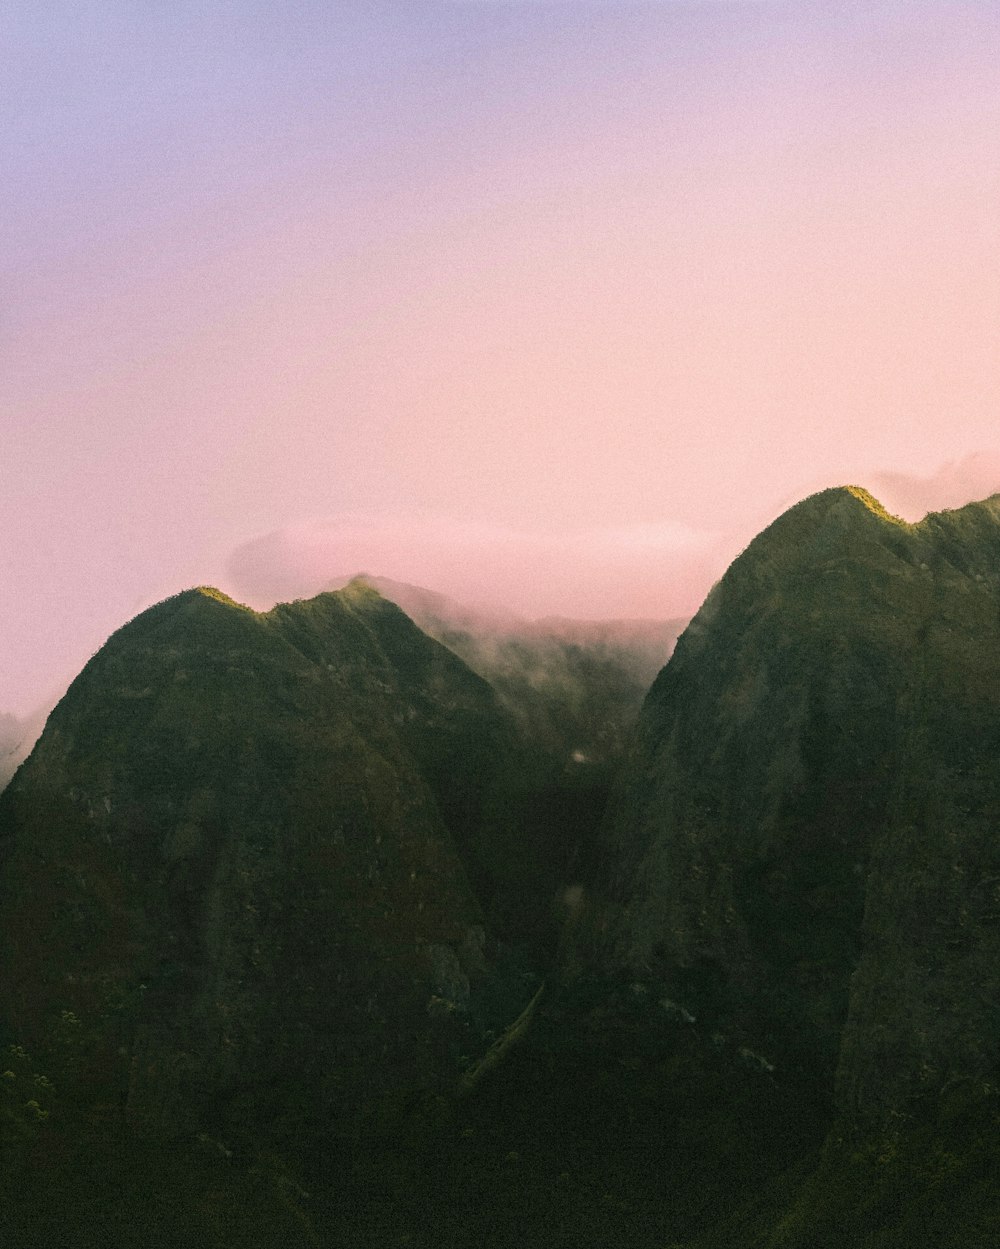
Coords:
238,854
801,845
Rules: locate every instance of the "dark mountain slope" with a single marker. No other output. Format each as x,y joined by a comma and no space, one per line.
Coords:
236,854
255,855
802,846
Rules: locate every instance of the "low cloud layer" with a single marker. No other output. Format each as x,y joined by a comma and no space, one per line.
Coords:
954,484
658,570
17,736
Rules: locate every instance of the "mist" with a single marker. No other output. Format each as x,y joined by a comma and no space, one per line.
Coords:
17,737
654,571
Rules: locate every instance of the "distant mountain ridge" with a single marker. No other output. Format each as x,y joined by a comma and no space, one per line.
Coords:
421,604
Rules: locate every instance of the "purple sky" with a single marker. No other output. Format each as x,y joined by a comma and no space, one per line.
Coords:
546,304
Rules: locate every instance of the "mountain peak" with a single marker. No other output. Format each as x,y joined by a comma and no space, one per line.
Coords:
361,590
873,505
839,503
212,592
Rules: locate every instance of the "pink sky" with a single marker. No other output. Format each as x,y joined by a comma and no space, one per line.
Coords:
546,304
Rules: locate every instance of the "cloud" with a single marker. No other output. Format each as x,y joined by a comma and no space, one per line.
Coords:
954,484
17,736
655,569
658,569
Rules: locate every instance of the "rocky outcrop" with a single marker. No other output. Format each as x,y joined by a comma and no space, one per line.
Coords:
242,855
802,843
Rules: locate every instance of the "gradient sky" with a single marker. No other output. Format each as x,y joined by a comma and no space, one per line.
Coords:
550,304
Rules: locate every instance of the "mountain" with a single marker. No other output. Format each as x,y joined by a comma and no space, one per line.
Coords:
280,881
312,837
802,843
243,855
278,892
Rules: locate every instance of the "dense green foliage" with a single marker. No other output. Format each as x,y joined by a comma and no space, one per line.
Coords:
614,1121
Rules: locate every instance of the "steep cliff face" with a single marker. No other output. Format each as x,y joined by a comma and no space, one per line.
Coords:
239,854
802,843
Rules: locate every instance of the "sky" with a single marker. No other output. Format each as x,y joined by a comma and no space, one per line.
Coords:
547,305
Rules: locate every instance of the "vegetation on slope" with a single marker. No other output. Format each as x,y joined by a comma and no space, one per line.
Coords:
238,844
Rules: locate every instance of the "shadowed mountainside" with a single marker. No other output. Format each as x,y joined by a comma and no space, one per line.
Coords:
573,690
242,845
802,844
311,837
